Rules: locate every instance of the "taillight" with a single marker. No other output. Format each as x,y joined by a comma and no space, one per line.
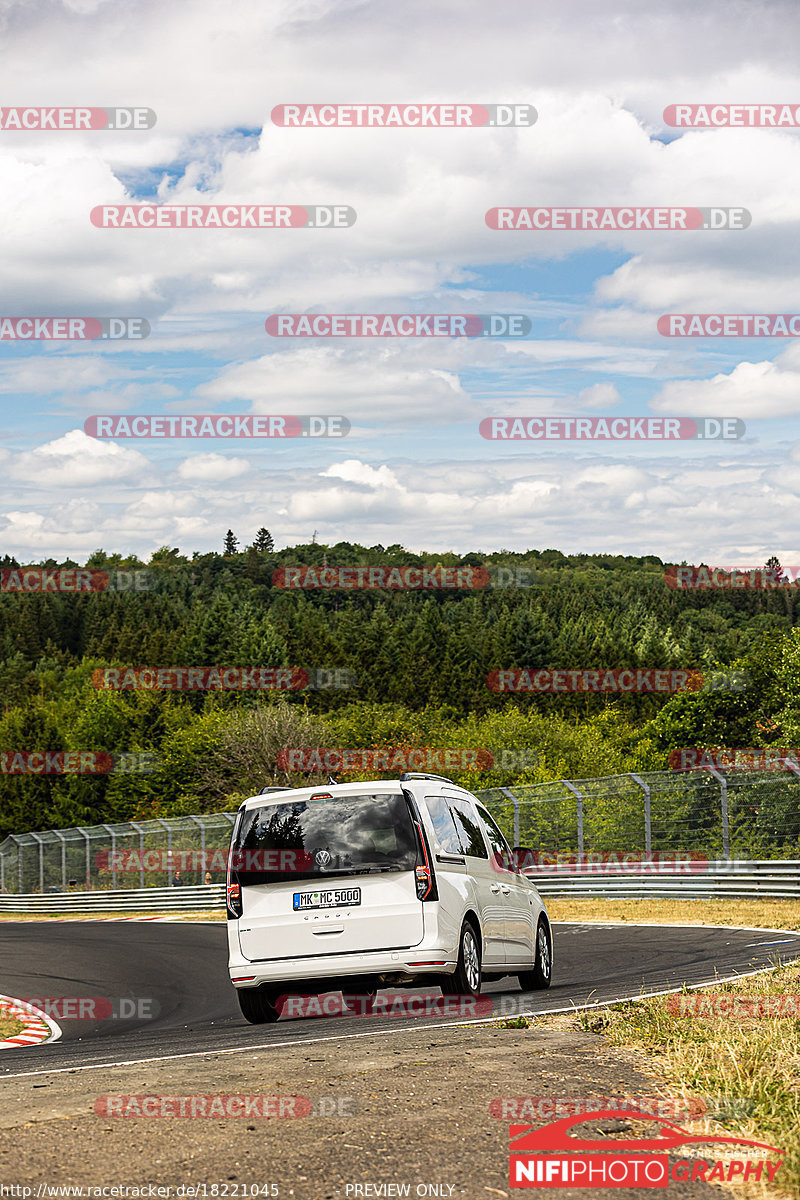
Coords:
234,899
423,875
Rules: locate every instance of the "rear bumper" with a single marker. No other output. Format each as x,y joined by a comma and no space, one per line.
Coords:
416,962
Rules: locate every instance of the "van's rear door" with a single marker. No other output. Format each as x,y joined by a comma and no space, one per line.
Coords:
333,874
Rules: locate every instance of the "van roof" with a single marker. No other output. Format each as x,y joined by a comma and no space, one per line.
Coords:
371,786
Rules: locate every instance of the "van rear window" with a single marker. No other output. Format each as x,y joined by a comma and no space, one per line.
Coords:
332,836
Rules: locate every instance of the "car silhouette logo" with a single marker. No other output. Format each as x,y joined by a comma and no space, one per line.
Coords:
554,1135
322,858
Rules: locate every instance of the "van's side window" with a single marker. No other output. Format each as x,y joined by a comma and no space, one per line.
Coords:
443,825
471,840
501,851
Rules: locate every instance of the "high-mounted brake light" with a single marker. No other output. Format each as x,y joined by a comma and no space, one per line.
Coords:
321,796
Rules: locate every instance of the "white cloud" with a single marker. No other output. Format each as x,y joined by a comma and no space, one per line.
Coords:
76,460
320,379
752,391
211,468
599,395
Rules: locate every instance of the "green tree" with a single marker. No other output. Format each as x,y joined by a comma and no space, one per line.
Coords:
264,542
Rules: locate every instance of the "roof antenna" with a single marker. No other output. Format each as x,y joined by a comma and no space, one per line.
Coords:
332,780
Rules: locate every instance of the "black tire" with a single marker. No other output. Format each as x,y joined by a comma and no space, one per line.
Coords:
360,1000
466,980
259,1005
539,978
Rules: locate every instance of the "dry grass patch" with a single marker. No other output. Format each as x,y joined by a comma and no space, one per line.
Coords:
9,1026
753,1062
764,914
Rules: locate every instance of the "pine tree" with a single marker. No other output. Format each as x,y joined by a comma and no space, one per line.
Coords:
264,541
231,544
773,569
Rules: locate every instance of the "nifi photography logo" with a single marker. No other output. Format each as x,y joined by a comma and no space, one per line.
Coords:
549,1156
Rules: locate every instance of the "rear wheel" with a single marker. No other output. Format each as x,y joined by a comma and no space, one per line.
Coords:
259,1005
539,977
466,980
360,1000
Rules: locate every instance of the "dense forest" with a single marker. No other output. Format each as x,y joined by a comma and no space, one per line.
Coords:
390,668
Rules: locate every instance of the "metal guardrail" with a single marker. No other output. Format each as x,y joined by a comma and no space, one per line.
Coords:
717,880
720,880
168,899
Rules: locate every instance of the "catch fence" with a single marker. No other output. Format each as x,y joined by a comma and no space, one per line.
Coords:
723,816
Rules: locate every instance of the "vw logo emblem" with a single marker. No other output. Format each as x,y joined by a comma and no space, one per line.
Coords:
322,858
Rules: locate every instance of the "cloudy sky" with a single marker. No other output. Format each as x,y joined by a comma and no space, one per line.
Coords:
414,468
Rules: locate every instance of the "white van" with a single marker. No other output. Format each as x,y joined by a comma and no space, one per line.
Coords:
359,886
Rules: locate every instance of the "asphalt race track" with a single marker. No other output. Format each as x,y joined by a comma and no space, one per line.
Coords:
179,971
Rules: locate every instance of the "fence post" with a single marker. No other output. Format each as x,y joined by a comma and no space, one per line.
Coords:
168,828
202,827
140,832
578,811
108,829
648,828
63,859
87,839
40,844
723,796
515,802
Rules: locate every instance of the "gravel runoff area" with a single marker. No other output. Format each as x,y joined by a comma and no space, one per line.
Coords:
395,1108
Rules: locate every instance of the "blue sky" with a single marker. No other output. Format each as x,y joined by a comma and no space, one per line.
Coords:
414,469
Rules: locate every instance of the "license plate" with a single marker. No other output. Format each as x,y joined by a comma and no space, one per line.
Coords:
336,898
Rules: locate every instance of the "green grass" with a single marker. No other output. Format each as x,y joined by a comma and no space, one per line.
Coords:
9,1026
